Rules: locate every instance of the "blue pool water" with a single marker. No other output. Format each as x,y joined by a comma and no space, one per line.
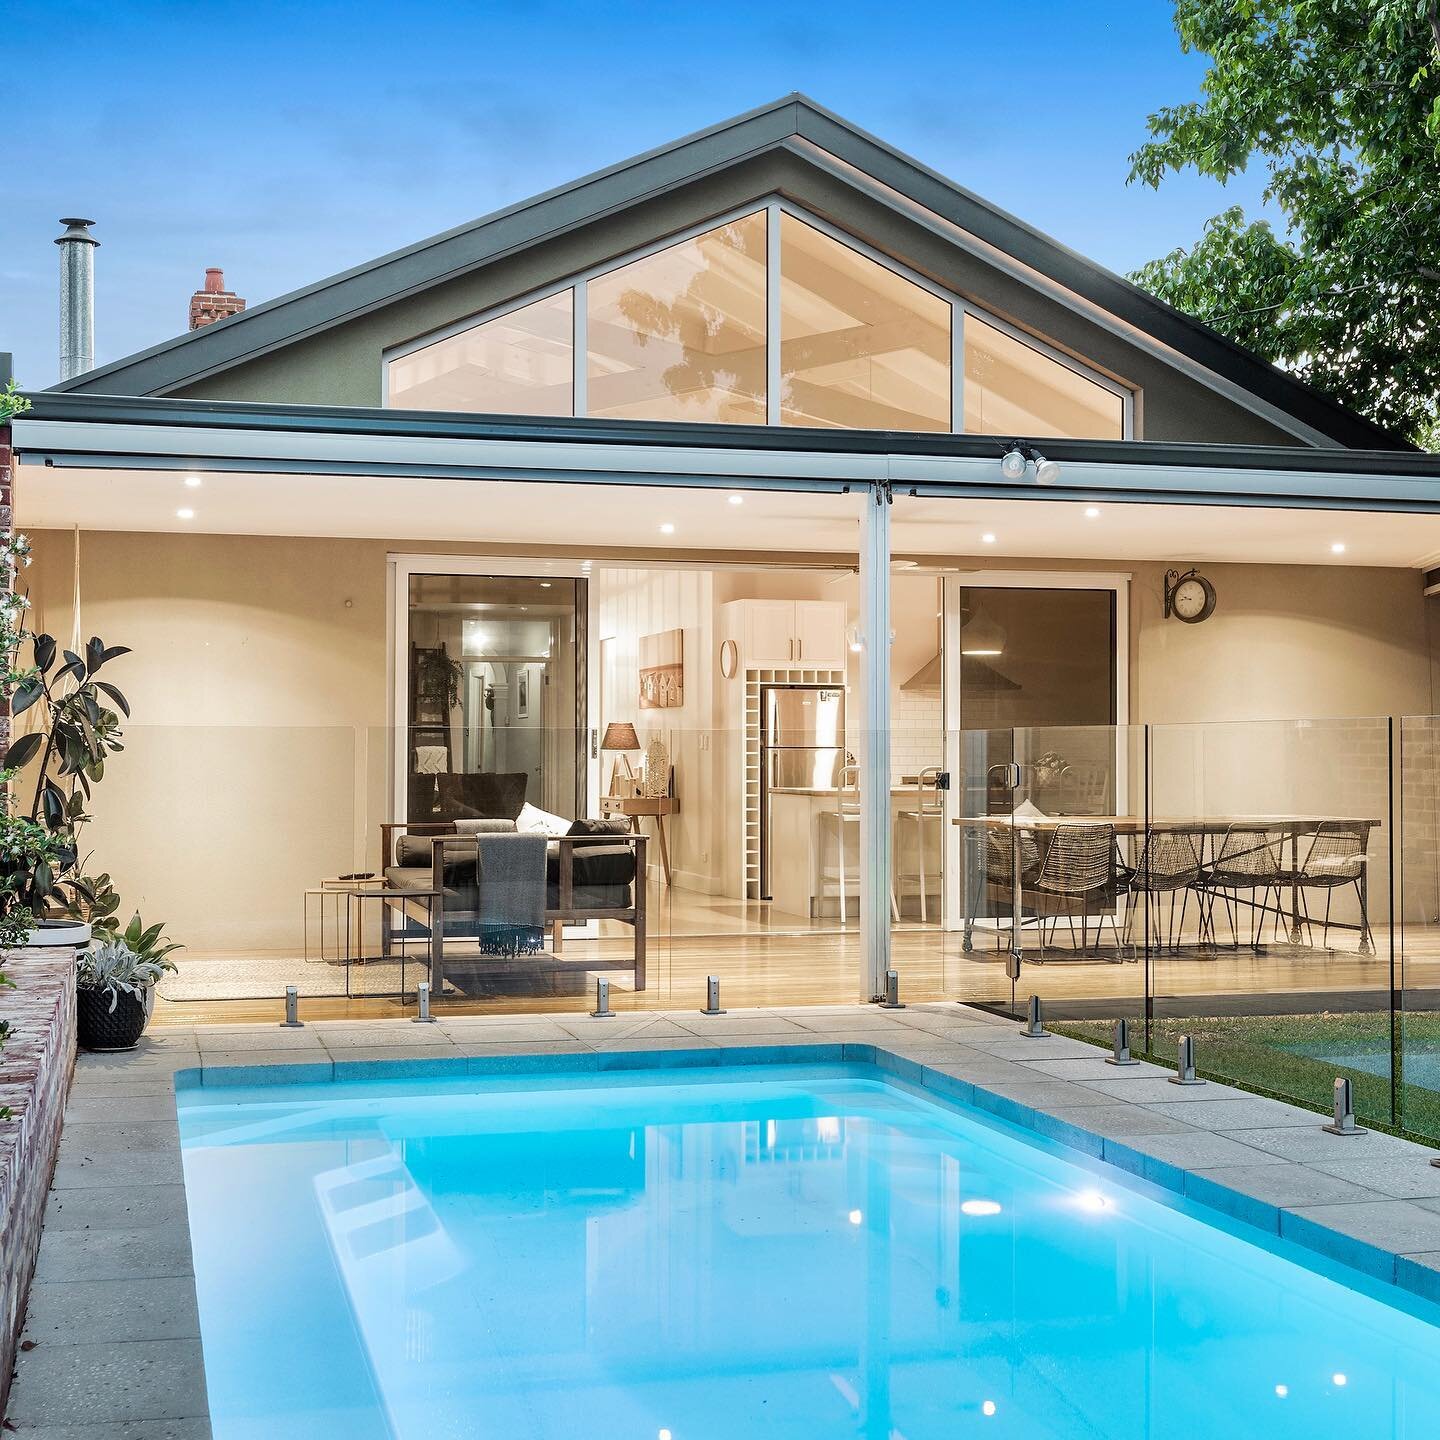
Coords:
785,1253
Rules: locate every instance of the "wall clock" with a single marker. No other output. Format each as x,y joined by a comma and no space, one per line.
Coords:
1189,596
729,659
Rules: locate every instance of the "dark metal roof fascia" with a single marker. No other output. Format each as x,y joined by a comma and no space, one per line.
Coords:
366,420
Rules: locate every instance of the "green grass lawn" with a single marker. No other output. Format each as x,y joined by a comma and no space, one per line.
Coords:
1274,1055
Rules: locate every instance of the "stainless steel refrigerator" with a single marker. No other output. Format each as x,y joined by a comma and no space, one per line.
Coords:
802,749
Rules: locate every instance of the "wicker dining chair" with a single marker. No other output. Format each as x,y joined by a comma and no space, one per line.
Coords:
1078,879
1248,859
1169,863
1336,857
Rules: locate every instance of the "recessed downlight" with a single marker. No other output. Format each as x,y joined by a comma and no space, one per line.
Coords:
1092,512
184,513
987,538
192,482
1338,548
667,528
737,499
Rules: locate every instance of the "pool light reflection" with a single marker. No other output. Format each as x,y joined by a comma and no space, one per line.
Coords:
980,1207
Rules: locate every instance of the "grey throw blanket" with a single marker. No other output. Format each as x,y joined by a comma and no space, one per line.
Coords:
510,872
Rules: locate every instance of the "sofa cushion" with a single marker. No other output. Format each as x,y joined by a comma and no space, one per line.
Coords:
595,865
598,827
486,796
470,825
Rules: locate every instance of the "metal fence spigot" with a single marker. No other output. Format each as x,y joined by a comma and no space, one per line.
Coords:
1185,1064
602,1010
1035,1022
422,997
1344,1121
1121,1054
712,996
292,1020
892,999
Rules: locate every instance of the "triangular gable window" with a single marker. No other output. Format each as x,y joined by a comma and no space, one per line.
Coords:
767,317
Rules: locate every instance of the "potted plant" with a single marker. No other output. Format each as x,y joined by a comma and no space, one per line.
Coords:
115,986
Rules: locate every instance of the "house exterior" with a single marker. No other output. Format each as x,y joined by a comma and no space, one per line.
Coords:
768,415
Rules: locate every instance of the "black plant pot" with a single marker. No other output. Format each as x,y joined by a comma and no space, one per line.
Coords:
100,1028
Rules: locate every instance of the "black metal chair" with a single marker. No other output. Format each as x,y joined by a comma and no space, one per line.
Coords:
1248,859
1335,857
1078,879
1170,863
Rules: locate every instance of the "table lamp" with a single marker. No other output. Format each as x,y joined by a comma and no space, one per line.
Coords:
620,737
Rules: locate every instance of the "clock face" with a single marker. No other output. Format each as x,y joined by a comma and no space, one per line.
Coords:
1193,600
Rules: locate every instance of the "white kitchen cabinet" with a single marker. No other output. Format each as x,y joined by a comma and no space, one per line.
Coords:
784,634
768,632
820,633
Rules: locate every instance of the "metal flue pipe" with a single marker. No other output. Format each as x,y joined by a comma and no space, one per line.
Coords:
77,298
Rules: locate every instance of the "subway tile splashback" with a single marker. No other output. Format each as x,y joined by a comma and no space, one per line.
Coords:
917,735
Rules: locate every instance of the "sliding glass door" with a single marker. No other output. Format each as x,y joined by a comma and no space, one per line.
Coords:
494,676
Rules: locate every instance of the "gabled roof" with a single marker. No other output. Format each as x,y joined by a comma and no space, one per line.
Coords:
798,126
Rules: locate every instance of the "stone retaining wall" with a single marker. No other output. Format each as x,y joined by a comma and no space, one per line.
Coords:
35,1068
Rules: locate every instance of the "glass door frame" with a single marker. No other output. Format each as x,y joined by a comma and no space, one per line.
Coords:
399,569
952,910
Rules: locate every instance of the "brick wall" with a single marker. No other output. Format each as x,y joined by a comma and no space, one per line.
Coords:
35,1069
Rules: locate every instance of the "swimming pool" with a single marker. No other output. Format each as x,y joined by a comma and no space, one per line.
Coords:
769,1251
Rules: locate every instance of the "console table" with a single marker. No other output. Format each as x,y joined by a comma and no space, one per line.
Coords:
655,807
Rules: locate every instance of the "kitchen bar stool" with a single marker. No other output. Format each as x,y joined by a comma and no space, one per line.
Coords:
840,831
925,819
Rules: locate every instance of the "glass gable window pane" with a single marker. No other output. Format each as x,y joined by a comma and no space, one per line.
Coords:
680,335
521,363
1013,389
860,346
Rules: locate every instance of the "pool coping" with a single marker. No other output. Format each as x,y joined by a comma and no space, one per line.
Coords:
113,1327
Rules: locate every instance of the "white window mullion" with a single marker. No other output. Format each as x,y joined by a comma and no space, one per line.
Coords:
580,378
772,313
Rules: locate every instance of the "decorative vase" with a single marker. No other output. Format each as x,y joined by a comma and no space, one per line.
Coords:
58,932
98,1027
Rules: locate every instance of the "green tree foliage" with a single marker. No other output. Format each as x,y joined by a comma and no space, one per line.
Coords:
1340,101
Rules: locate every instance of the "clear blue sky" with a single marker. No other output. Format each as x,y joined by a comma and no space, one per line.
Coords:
285,141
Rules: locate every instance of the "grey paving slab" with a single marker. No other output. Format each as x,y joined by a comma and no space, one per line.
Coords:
848,1020
1042,1094
96,1311
105,1254
1251,1113
1399,1226
1401,1177
463,1031
141,1167
1095,1068
1015,1047
1116,1121
371,1037
1149,1089
127,1381
750,1024
98,1136
195,1428
100,1106
1311,1142
272,1038
127,1207
1285,1185
1202,1150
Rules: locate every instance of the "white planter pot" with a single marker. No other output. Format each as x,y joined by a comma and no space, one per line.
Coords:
46,933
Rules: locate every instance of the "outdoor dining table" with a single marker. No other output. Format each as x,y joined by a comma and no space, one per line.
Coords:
1293,827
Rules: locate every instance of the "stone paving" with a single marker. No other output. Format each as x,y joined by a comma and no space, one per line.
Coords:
111,1347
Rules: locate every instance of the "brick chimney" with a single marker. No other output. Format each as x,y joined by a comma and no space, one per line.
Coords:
214,302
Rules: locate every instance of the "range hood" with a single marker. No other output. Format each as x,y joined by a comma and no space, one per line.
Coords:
926,678
980,677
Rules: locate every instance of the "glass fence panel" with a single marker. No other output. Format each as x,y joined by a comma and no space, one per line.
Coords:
1280,969
1417,931
221,833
